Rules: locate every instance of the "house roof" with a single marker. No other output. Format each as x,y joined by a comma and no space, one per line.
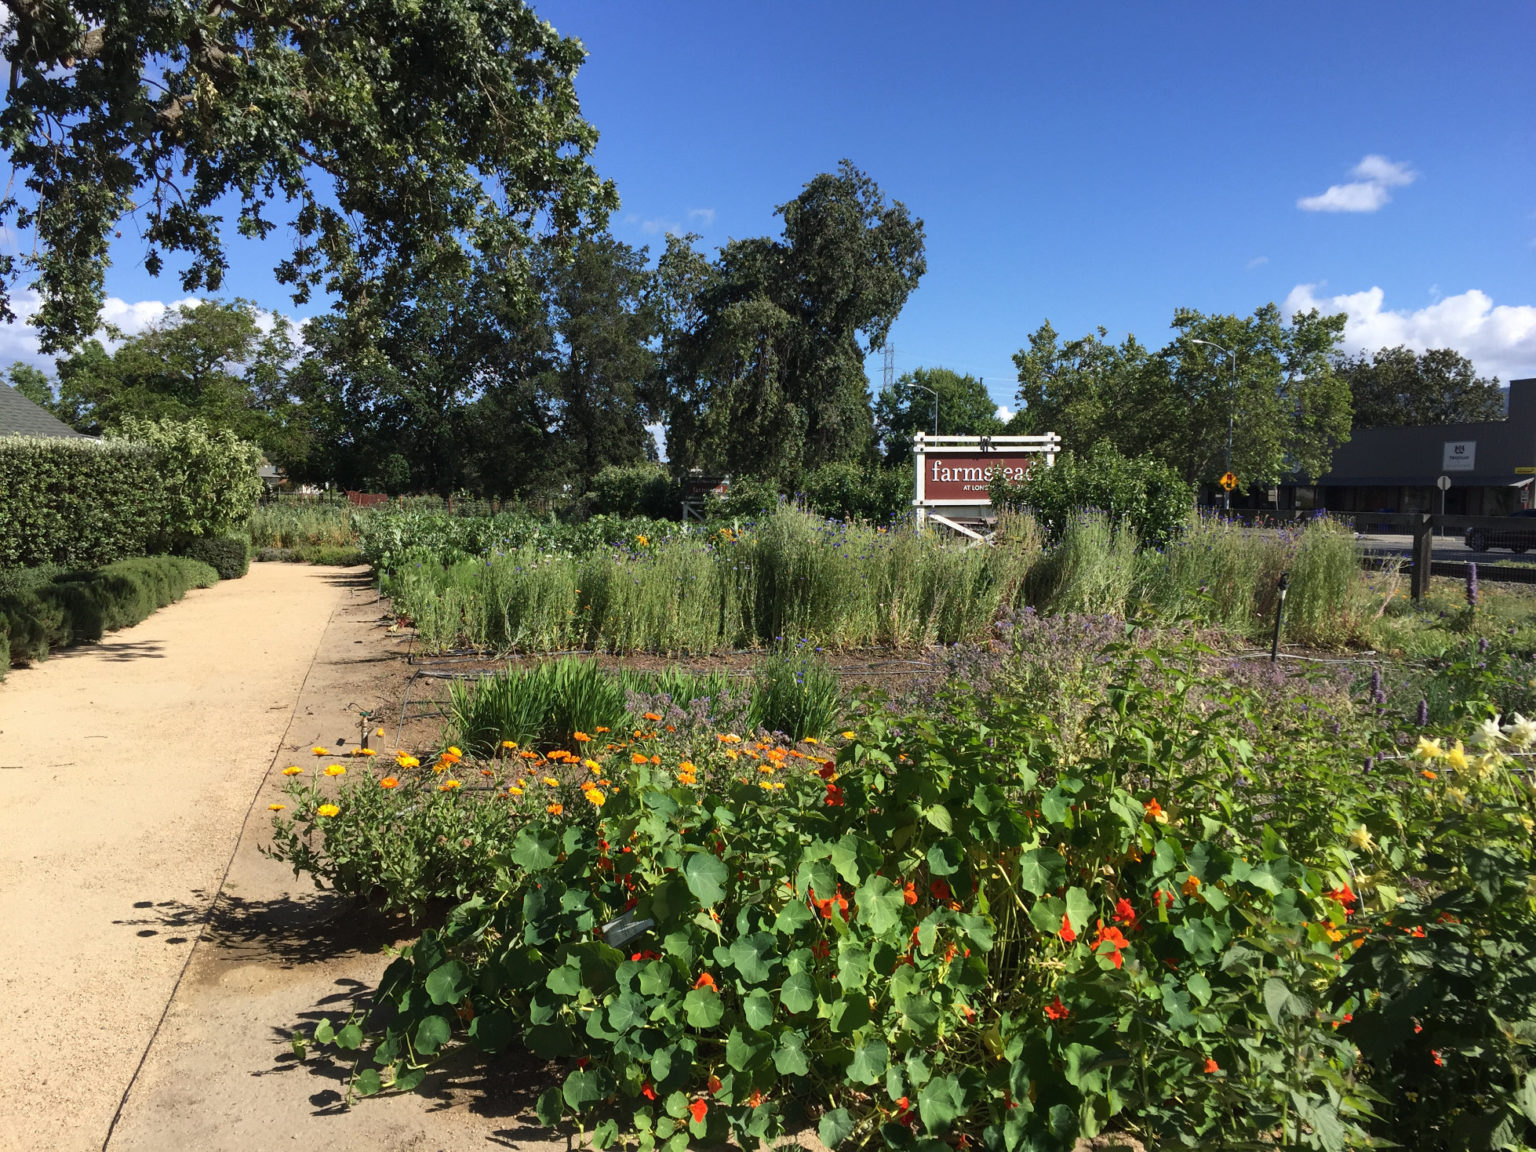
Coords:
20,417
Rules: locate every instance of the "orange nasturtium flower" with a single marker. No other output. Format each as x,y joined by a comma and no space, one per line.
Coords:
335,770
909,893
705,981
714,1083
327,810
1155,813
698,1108
1211,1066
1067,932
389,782
293,770
1190,886
1057,1010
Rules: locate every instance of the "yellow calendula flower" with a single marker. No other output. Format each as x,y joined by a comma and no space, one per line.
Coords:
379,733
452,751
293,770
848,735
509,743
318,751
449,785
405,760
276,807
327,810
594,797
551,782
335,770
686,766
366,752
592,765
514,790
1361,838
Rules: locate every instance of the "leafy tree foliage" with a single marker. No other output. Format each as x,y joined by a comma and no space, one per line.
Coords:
211,361
903,410
763,359
1288,409
397,140
1394,387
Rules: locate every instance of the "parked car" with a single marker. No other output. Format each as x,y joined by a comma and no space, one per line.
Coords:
1515,537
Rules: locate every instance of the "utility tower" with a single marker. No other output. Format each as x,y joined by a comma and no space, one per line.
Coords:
888,374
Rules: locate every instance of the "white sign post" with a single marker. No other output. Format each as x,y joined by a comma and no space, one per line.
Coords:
1458,456
953,474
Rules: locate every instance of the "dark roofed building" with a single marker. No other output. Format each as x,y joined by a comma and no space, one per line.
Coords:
1491,466
20,417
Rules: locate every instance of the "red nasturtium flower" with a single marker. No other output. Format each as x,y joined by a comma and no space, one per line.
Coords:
834,796
1345,897
714,1083
1116,941
1162,898
1155,811
1057,1010
705,981
1125,914
755,1099
1067,933
940,890
1211,1066
909,893
699,1109
647,1091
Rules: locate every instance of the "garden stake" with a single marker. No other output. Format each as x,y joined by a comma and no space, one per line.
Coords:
1274,645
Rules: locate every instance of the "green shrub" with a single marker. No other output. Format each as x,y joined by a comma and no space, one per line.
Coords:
1144,493
208,475
76,503
78,607
850,491
226,555
747,498
635,490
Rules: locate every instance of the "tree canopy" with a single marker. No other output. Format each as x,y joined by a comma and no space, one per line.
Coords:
1396,387
964,409
393,140
1287,407
764,368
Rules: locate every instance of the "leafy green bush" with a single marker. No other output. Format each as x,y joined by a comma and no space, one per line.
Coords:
747,498
76,502
208,475
1144,493
226,555
851,491
78,607
635,490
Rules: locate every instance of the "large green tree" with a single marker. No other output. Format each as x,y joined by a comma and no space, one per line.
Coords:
906,408
764,367
34,384
221,362
389,139
1285,406
1395,387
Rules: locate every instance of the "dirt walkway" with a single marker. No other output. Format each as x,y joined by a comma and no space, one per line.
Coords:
126,770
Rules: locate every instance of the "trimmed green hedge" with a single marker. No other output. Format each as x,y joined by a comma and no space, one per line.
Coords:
78,607
79,503
226,555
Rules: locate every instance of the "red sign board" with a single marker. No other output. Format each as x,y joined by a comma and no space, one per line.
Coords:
967,475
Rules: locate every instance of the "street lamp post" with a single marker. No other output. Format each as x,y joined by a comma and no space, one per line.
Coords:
935,396
1226,494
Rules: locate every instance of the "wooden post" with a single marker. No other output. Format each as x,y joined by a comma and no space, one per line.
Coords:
1423,555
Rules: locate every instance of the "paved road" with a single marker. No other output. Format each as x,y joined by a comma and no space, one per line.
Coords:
1447,548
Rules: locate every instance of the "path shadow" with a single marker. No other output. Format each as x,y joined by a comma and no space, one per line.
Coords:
359,578
286,932
118,651
502,1087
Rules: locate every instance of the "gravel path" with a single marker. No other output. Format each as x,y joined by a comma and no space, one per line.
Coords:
126,772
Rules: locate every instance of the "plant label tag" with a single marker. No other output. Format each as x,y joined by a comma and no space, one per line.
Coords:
624,928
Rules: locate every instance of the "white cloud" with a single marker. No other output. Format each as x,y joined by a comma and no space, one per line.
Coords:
1500,339
705,216
1004,413
1367,192
1257,262
657,226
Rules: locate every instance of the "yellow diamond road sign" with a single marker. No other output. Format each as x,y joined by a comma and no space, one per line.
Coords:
1228,481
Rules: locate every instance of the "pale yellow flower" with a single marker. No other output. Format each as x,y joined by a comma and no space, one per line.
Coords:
1428,749
1486,734
1456,757
1521,732
1361,838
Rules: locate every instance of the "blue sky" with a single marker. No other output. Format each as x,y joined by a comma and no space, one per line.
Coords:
1087,163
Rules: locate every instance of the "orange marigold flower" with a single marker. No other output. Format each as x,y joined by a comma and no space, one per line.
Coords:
389,782
1057,1010
509,743
639,758
580,737
554,809
698,1108
650,716
1211,1066
600,728
1428,775
705,981
551,782
514,790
